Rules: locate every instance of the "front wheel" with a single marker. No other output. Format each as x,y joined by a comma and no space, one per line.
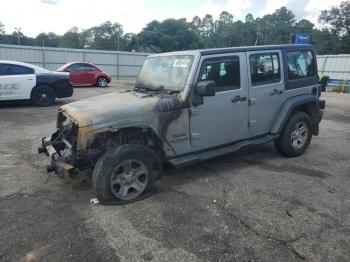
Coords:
126,173
102,82
43,96
296,135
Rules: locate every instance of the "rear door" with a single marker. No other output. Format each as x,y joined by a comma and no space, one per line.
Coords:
266,87
16,82
221,119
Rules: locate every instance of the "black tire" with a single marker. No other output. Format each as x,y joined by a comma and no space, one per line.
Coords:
296,145
109,164
43,96
102,82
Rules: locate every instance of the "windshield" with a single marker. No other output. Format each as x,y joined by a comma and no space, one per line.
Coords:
165,72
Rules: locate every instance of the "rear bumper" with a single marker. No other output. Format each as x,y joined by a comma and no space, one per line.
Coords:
317,116
322,104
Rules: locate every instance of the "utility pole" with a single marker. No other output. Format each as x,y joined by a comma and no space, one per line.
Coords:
18,30
118,39
257,35
43,53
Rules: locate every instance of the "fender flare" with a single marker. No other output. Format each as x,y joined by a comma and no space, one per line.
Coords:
288,108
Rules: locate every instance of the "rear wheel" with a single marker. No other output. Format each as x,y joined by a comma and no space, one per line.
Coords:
126,173
102,82
43,96
296,135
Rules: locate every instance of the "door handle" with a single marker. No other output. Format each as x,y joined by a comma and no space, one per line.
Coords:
276,92
238,99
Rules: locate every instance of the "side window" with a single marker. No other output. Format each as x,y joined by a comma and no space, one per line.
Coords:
225,73
2,69
9,69
77,68
300,64
264,68
89,68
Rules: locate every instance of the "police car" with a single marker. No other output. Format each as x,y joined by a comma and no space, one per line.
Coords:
22,81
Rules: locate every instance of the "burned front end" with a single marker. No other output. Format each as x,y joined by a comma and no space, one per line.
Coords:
88,128
61,146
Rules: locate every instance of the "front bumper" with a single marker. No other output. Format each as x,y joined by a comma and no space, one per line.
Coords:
66,91
57,162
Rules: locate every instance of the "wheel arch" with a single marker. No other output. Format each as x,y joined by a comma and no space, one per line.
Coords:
303,103
143,134
42,84
98,76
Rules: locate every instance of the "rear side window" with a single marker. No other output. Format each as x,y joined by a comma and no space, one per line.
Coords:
225,73
90,68
264,68
301,64
9,69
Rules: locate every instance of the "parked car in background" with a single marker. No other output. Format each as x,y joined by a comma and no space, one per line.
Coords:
22,81
86,74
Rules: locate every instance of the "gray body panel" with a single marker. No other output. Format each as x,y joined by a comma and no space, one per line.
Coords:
287,109
265,99
218,120
191,128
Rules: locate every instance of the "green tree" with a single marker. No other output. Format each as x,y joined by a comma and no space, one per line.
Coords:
325,42
168,35
249,18
304,25
276,28
223,30
47,39
2,29
107,36
72,39
338,18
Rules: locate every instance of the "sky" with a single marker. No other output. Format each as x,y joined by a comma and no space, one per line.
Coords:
58,16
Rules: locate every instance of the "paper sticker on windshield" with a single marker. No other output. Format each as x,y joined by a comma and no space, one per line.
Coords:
183,62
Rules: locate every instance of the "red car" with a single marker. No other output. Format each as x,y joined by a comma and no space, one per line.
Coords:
83,74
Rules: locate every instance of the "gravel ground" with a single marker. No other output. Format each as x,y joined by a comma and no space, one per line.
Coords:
252,205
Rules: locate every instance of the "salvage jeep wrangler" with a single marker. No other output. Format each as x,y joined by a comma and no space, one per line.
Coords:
187,107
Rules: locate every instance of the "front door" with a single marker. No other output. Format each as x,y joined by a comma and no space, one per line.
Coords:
16,82
266,86
221,119
77,74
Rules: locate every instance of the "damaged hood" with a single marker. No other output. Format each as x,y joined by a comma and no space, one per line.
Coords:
119,107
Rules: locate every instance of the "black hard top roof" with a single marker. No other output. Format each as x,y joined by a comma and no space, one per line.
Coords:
253,48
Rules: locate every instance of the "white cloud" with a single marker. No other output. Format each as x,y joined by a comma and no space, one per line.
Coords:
50,2
308,9
272,5
35,17
314,8
235,7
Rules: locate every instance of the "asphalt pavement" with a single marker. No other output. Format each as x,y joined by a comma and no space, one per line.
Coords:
252,205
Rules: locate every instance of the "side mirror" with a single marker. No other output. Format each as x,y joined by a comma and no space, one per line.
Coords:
67,70
324,83
205,88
